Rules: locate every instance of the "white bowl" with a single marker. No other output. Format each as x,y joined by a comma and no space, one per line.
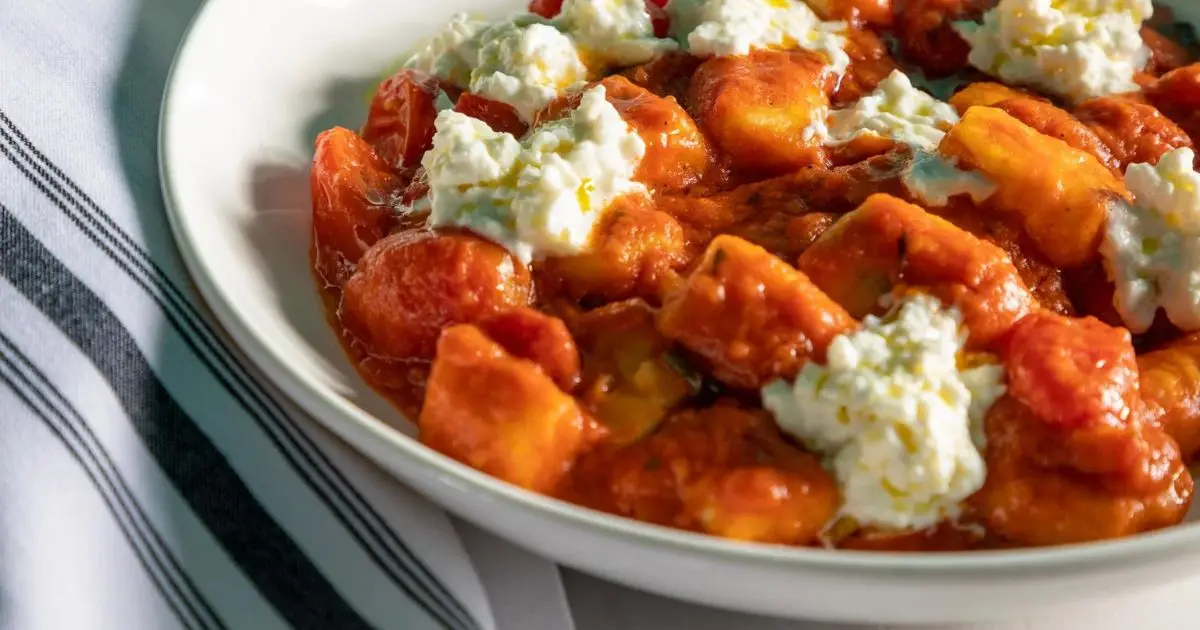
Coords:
252,85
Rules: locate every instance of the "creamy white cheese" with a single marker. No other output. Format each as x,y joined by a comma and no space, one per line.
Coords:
612,32
538,197
525,66
522,62
1077,49
1151,248
453,52
932,180
895,110
895,416
736,27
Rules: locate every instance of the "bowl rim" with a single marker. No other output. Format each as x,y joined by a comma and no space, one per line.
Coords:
331,409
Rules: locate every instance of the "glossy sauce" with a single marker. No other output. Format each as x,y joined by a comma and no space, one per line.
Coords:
625,378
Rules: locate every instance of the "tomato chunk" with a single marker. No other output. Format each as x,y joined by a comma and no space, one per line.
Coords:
546,8
1165,54
1051,485
927,35
1134,131
658,17
858,12
351,190
870,64
1178,89
668,74
400,124
501,414
751,316
411,285
1073,372
543,339
499,116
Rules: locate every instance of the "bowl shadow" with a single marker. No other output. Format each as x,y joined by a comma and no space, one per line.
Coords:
279,230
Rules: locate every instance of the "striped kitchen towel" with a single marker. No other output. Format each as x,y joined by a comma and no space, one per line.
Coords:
148,479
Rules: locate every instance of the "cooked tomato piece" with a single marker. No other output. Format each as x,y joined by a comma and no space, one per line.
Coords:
533,335
636,252
352,191
1034,494
400,125
857,12
417,189
1072,188
1165,54
501,414
758,109
1134,131
668,74
499,116
1034,506
1177,94
1072,372
658,17
870,64
1177,90
927,35
722,470
411,285
752,317
887,245
677,154
546,8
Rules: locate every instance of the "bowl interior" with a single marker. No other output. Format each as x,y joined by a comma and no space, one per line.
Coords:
253,86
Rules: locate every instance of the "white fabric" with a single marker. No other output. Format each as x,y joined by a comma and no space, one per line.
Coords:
148,480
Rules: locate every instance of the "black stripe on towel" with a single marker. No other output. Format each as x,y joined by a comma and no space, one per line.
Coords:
362,521
201,474
159,565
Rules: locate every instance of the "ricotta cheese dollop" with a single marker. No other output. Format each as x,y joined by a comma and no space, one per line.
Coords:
612,32
736,27
543,195
521,62
1077,49
525,66
453,52
1151,248
894,413
894,110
